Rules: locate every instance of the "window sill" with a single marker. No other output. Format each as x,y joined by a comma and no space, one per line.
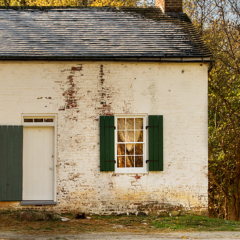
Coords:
35,202
130,171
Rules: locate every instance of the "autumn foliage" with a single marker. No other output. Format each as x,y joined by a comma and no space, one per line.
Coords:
218,23
73,3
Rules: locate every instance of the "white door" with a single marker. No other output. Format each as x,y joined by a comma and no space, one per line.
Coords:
38,167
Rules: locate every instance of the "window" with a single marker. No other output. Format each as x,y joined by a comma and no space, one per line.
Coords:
131,143
37,120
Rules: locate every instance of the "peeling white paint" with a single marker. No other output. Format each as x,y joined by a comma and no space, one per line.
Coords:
80,92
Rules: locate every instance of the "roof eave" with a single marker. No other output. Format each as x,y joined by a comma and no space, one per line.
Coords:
206,58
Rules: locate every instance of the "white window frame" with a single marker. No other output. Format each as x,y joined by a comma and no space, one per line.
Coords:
39,116
127,169
46,124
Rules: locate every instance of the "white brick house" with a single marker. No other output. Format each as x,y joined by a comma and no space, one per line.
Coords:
102,110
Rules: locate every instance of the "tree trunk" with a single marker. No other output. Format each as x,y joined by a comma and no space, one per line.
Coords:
234,210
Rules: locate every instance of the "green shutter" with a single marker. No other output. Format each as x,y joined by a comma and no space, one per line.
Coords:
107,156
11,143
155,142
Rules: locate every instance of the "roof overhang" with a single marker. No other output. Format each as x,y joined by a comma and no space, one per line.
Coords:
125,59
115,59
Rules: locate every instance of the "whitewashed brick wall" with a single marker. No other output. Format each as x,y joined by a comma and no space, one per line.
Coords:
178,91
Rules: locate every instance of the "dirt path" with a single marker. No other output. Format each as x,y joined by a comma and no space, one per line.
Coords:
123,236
12,227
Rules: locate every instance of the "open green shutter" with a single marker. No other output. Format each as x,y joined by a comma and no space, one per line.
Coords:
107,156
155,142
11,144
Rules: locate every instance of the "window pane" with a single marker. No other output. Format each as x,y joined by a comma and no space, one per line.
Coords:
28,120
48,119
139,149
121,136
139,161
130,142
130,136
121,123
139,136
130,149
38,120
138,123
121,149
121,161
130,123
130,161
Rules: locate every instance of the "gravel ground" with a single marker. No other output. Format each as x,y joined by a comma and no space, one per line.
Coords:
123,236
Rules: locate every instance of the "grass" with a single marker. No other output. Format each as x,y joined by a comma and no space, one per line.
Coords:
48,228
123,223
197,223
180,223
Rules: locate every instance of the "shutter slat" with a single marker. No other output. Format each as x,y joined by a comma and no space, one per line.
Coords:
107,143
160,142
3,162
10,163
155,142
102,144
150,141
112,144
11,139
17,159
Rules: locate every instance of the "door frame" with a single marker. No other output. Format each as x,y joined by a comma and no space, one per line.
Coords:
46,124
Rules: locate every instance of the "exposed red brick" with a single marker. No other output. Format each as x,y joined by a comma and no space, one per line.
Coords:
77,68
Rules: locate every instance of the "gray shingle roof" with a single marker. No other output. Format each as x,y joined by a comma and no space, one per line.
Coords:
97,33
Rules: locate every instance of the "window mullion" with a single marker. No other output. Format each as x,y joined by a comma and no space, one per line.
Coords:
134,131
134,137
134,156
125,153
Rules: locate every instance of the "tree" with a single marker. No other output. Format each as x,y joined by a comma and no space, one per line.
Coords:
218,23
74,3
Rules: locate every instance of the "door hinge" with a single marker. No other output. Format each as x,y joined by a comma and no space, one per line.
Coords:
111,127
151,127
111,161
151,161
